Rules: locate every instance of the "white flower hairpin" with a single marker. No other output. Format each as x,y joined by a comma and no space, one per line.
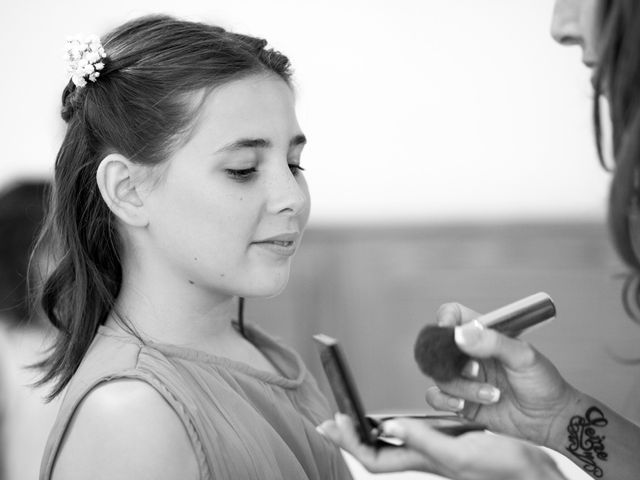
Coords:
84,58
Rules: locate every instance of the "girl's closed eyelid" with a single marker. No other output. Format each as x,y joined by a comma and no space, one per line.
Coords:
241,175
296,168
246,174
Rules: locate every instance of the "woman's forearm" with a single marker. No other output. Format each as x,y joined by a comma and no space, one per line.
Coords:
603,443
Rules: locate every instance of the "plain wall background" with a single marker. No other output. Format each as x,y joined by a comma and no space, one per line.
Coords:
416,110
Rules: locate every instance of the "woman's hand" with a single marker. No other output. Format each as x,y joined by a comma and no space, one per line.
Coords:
512,389
472,456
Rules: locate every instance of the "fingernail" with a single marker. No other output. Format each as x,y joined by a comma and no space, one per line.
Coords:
471,369
456,403
446,319
340,418
393,429
489,394
469,333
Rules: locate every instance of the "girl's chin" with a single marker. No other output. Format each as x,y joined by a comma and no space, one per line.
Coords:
267,286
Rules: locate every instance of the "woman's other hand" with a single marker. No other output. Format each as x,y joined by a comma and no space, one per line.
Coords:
508,385
472,456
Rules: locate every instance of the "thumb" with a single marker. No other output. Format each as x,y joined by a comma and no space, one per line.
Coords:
419,436
480,342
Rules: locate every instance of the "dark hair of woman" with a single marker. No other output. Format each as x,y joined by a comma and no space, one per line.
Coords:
617,78
139,109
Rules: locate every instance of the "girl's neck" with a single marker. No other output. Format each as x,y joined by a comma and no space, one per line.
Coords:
169,312
164,309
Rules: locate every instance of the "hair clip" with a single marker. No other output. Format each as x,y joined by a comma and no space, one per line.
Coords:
84,59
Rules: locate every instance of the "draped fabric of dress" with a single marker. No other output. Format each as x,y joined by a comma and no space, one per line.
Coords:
243,423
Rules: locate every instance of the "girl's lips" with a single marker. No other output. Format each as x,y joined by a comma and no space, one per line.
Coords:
284,248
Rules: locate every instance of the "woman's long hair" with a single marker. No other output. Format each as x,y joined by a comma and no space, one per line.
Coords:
617,78
137,107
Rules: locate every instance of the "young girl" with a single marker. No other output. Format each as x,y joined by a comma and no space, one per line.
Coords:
178,190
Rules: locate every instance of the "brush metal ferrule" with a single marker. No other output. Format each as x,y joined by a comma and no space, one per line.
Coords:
515,318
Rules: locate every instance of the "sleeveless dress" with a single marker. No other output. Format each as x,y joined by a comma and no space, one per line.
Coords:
243,423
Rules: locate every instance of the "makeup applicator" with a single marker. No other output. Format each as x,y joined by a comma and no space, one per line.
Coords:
439,357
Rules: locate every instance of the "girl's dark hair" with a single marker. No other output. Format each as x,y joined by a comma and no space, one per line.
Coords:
617,78
138,108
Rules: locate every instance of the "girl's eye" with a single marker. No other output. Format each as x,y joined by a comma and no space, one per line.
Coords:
295,169
241,175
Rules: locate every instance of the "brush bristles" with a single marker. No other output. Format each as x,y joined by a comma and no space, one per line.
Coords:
437,354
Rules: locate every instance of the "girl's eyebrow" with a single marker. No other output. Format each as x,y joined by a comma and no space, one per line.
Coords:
258,143
245,143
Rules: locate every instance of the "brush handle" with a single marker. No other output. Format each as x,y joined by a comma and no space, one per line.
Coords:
515,318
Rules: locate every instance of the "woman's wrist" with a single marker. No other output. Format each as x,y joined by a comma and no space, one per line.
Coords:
597,439
576,405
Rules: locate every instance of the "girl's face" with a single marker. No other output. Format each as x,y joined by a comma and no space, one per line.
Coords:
575,22
229,211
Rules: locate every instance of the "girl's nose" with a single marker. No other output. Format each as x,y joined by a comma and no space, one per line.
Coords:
289,195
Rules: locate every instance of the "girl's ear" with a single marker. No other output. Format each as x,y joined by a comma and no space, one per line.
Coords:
115,177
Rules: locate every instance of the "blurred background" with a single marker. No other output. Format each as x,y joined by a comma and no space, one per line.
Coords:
450,158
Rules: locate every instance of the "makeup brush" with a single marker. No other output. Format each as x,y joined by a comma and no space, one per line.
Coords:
439,357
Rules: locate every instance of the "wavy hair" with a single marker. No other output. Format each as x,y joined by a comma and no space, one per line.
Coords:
617,78
138,107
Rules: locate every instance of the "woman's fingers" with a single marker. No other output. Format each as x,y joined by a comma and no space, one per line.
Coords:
330,430
437,448
387,459
472,455
442,401
341,432
471,370
453,314
480,342
450,396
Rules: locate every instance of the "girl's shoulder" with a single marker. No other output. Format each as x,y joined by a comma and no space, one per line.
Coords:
125,429
119,419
